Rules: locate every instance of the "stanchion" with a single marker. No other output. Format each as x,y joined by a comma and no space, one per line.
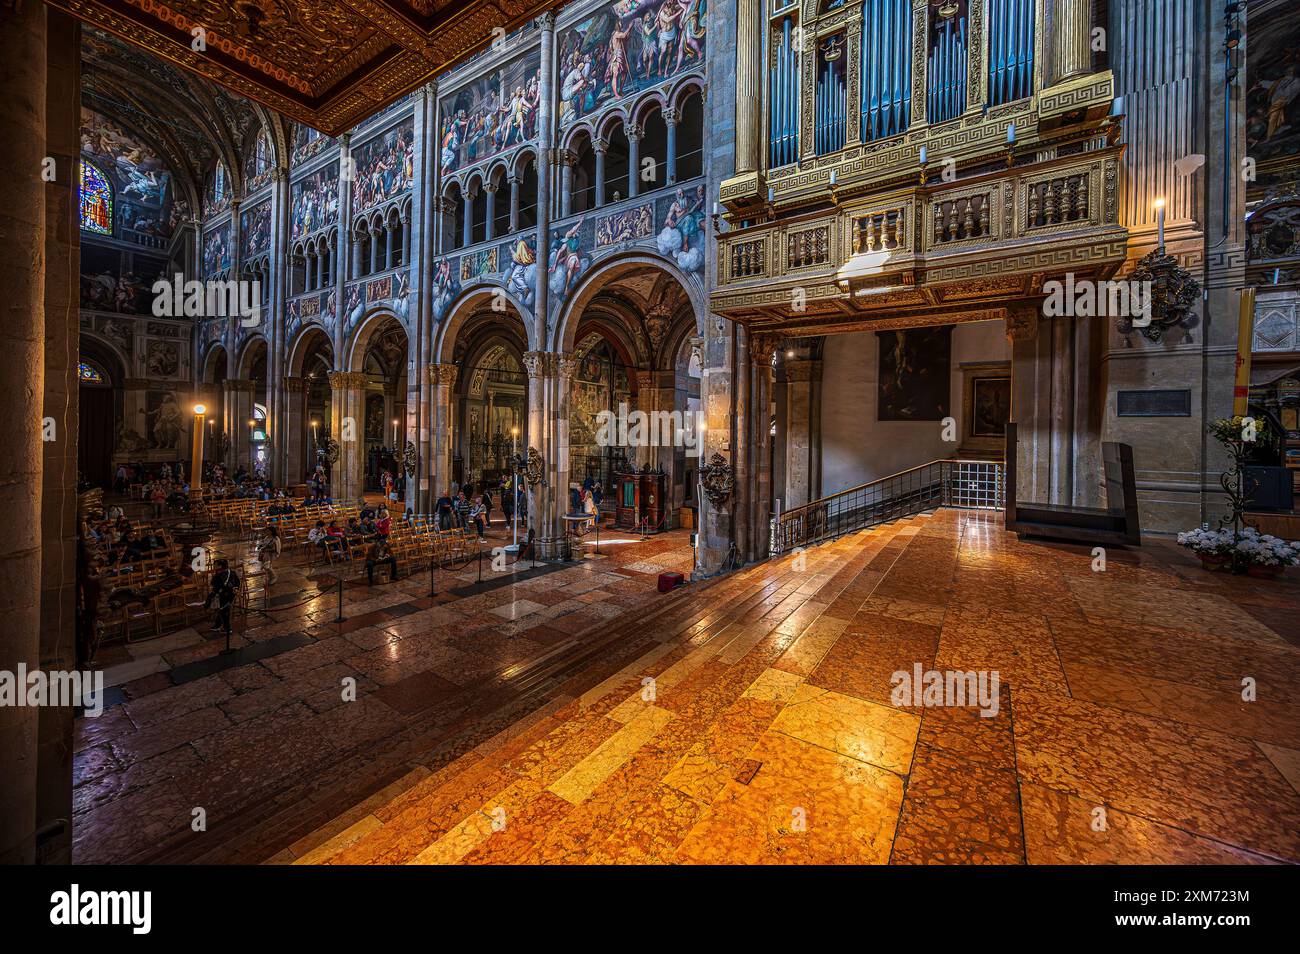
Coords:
480,564
597,538
433,566
339,617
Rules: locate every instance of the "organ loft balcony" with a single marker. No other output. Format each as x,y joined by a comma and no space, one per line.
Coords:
917,162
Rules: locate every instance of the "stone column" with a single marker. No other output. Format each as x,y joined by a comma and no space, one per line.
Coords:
797,438
388,246
238,409
278,428
749,86
491,189
356,259
561,391
545,156
600,146
22,360
467,226
670,123
633,160
567,161
294,436
761,349
347,395
374,250
514,203
443,377
1073,35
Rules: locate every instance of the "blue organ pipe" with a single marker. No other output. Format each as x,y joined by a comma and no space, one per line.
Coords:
1028,49
961,72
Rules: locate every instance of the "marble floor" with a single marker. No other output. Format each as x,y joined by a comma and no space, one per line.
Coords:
578,716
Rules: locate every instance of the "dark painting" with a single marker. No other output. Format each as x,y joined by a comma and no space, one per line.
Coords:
915,383
990,406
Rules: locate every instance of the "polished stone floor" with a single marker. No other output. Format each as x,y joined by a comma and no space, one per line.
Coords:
580,717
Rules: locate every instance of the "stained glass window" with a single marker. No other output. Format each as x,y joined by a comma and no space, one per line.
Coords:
89,374
96,201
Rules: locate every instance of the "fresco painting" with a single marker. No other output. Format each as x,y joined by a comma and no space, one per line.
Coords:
255,229
626,47
314,201
490,114
384,166
216,250
682,236
626,225
1273,97
915,383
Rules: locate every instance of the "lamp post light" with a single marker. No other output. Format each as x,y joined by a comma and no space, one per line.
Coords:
196,453
1159,206
514,489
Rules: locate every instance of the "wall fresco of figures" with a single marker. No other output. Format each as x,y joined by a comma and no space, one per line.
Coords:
314,201
139,193
114,279
391,291
491,114
307,143
512,264
255,229
320,308
626,47
1273,97
677,232
384,165
216,250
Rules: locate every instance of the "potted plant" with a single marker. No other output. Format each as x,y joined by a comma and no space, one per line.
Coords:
1234,545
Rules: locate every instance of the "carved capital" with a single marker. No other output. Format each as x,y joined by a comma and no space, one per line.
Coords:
344,380
1022,321
761,348
671,116
566,366
295,385
537,363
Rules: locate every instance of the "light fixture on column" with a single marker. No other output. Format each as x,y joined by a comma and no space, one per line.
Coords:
1159,206
196,452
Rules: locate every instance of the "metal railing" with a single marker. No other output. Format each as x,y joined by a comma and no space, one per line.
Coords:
965,484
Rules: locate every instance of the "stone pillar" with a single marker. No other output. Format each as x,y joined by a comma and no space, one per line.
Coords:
356,259
467,226
347,395
797,440
670,123
295,435
22,368
561,392
566,183
374,250
238,408
443,377
749,86
545,156
600,146
491,190
633,160
388,246
1073,36
278,429
514,203
761,349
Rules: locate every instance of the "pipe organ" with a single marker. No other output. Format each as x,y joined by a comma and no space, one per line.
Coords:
946,65
1011,50
886,67
830,102
783,96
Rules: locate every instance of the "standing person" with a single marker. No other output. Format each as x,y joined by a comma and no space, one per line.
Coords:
487,506
444,510
119,484
476,516
508,498
225,584
380,555
158,497
268,549
462,510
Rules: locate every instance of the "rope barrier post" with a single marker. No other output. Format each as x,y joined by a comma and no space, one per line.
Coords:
433,565
598,538
480,564
339,617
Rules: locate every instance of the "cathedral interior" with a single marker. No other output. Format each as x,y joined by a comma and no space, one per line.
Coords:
651,431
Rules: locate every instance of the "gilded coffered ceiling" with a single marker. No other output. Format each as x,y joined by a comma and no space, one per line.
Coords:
327,63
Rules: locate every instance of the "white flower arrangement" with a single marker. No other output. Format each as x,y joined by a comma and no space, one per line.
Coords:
1249,547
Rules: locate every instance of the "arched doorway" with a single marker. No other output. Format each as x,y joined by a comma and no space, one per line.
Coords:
635,398
246,392
309,423
100,377
369,402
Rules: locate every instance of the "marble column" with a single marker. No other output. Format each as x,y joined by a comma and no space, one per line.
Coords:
295,435
761,349
796,441
347,396
670,124
388,246
1073,39
514,203
443,378
490,189
601,147
374,250
545,157
467,226
238,408
633,161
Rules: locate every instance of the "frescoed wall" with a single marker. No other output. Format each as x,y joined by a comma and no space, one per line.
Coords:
216,250
491,114
314,201
384,166
118,280
626,47
307,143
255,229
1273,96
137,171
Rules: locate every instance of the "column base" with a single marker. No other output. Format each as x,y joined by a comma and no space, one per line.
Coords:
554,548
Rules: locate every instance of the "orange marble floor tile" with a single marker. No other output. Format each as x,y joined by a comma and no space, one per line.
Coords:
958,812
1061,828
880,735
805,805
1204,782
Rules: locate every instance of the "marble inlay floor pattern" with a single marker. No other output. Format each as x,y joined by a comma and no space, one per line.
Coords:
580,717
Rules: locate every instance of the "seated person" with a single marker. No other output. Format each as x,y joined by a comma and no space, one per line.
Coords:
384,523
316,535
380,555
367,512
334,536
368,526
354,531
